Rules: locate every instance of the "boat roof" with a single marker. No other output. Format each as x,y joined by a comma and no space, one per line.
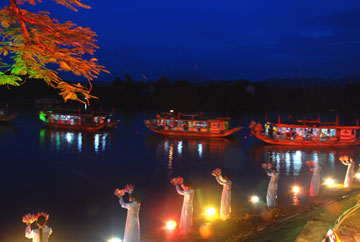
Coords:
191,117
313,124
77,113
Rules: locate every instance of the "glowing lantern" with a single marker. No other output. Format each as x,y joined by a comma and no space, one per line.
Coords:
114,240
254,199
296,189
171,225
329,182
210,212
357,175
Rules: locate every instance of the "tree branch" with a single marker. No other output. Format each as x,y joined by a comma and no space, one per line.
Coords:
14,7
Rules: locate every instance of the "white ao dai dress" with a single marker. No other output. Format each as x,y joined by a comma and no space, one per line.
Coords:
186,218
272,189
315,181
225,206
132,227
349,177
35,234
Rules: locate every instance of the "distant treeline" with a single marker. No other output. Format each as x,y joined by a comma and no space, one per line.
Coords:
224,97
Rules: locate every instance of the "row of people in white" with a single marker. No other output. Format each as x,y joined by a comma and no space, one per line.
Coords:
132,227
186,218
271,195
315,179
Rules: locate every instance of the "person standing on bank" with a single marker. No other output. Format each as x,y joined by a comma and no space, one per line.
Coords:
186,218
132,227
350,163
225,206
271,195
41,234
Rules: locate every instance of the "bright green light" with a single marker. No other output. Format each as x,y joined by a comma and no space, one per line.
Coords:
42,117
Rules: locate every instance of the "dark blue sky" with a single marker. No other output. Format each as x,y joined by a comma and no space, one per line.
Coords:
222,40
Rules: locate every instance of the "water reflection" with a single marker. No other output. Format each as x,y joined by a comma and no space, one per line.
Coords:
290,159
73,140
176,151
315,168
7,128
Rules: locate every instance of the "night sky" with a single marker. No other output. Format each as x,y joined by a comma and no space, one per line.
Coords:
222,40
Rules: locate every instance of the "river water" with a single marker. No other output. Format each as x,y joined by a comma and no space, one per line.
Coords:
72,175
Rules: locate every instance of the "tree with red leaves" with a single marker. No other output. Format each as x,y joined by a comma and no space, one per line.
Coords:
33,41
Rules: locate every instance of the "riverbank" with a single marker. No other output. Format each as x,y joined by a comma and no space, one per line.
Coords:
297,222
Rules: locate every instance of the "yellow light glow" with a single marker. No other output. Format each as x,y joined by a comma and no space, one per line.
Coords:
171,225
210,212
114,240
296,189
254,199
357,175
329,182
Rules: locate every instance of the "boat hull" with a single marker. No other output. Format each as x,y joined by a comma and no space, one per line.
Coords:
308,143
5,119
191,134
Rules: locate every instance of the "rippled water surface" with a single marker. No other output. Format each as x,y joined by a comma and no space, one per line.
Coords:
72,175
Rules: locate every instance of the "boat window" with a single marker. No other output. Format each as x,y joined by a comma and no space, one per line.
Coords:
332,132
299,131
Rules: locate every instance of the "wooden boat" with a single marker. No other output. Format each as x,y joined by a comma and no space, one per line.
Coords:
306,133
194,125
76,121
4,117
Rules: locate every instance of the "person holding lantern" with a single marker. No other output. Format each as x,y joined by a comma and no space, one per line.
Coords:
186,218
43,232
225,206
132,227
350,163
271,195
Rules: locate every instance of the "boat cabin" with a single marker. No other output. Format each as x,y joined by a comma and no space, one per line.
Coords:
72,119
311,132
190,123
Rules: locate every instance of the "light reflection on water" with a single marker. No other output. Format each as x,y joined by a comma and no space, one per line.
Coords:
67,140
290,160
176,152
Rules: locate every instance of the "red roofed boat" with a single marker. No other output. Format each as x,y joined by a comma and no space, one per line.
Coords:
66,119
306,133
194,125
